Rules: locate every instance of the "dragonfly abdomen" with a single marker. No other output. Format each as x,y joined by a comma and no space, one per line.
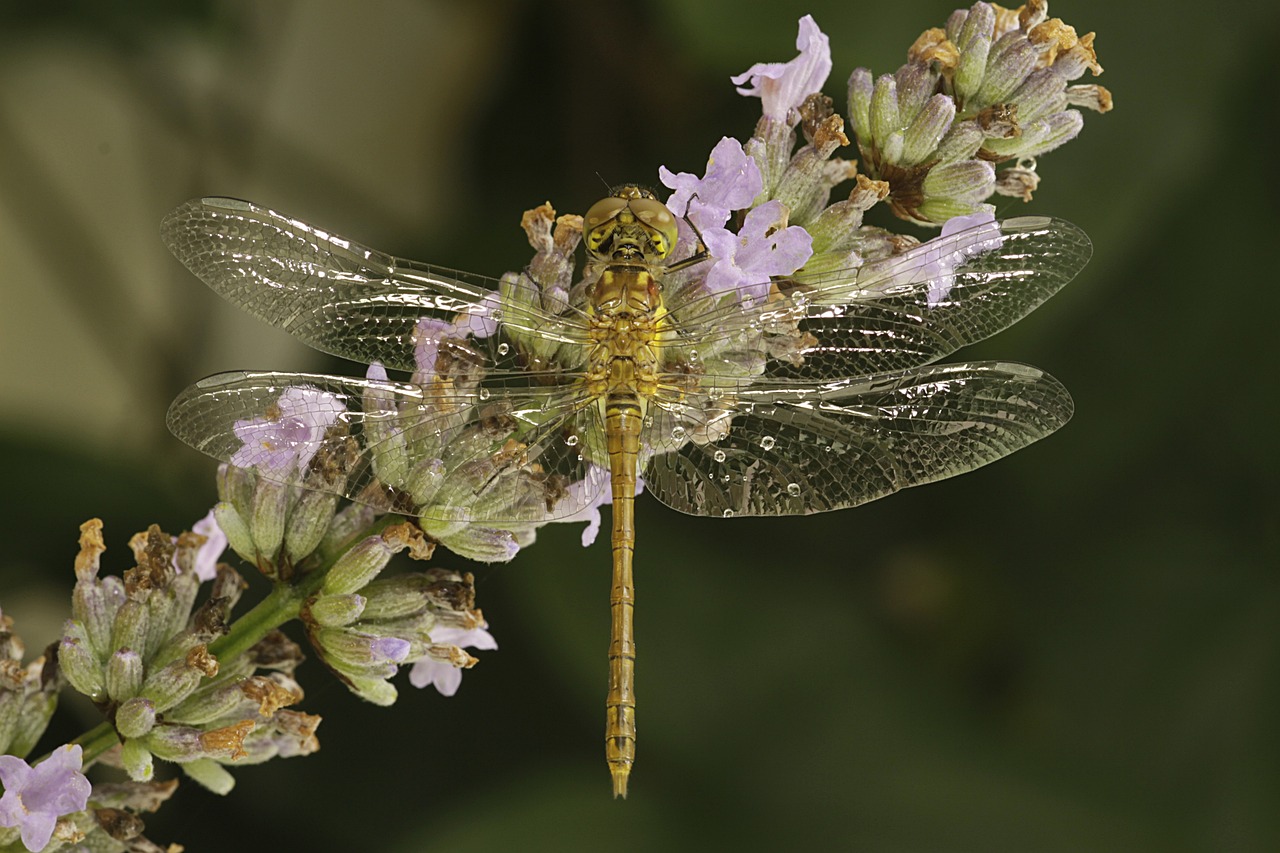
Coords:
624,414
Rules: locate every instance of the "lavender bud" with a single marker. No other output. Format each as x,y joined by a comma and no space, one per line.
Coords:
174,682
131,627
211,775
237,530
334,611
78,662
124,674
308,522
135,717
267,517
926,131
357,566
136,760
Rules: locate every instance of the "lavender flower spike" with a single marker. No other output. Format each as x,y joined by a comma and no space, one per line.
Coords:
783,86
731,183
290,434
764,247
35,797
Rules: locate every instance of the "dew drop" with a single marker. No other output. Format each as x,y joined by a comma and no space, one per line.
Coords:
693,356
496,315
767,442
504,348
728,513
678,433
793,489
718,456
648,420
484,393
571,440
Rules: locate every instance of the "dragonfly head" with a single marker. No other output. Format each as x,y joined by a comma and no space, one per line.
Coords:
630,225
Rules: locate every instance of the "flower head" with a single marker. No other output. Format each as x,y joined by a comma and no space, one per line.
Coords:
291,432
782,86
35,797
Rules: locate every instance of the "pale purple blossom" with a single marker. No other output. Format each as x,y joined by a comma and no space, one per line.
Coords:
590,512
427,336
764,247
478,320
287,437
446,677
35,797
215,542
732,182
783,86
963,238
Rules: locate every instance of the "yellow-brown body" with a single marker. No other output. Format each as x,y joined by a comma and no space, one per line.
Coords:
630,234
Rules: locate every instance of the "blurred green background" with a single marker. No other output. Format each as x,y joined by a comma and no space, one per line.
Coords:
1072,650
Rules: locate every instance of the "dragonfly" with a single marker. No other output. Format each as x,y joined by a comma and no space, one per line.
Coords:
529,402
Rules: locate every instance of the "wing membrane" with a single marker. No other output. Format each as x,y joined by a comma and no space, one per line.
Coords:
478,455
892,314
795,447
336,295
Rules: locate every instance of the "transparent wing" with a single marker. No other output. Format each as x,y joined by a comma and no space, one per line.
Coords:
892,314
793,447
339,296
483,454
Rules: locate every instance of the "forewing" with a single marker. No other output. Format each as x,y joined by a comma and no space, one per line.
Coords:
892,314
487,454
794,448
338,296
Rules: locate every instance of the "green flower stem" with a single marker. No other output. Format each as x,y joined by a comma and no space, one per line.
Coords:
281,605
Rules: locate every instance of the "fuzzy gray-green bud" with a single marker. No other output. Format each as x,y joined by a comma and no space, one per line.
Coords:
124,674
78,662
174,682
94,604
135,717
358,566
136,759
334,611
211,775
132,625
237,530
308,522
267,517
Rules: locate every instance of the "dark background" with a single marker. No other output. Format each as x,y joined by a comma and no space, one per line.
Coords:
1072,650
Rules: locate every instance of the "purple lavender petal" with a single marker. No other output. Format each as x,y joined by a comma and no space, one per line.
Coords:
732,182
479,322
34,798
289,437
935,261
761,249
784,86
426,343
206,563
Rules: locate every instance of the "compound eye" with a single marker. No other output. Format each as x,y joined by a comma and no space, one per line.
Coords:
660,219
601,212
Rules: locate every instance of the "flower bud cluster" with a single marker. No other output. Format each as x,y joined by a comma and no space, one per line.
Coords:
365,627
994,86
28,693
139,648
272,525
